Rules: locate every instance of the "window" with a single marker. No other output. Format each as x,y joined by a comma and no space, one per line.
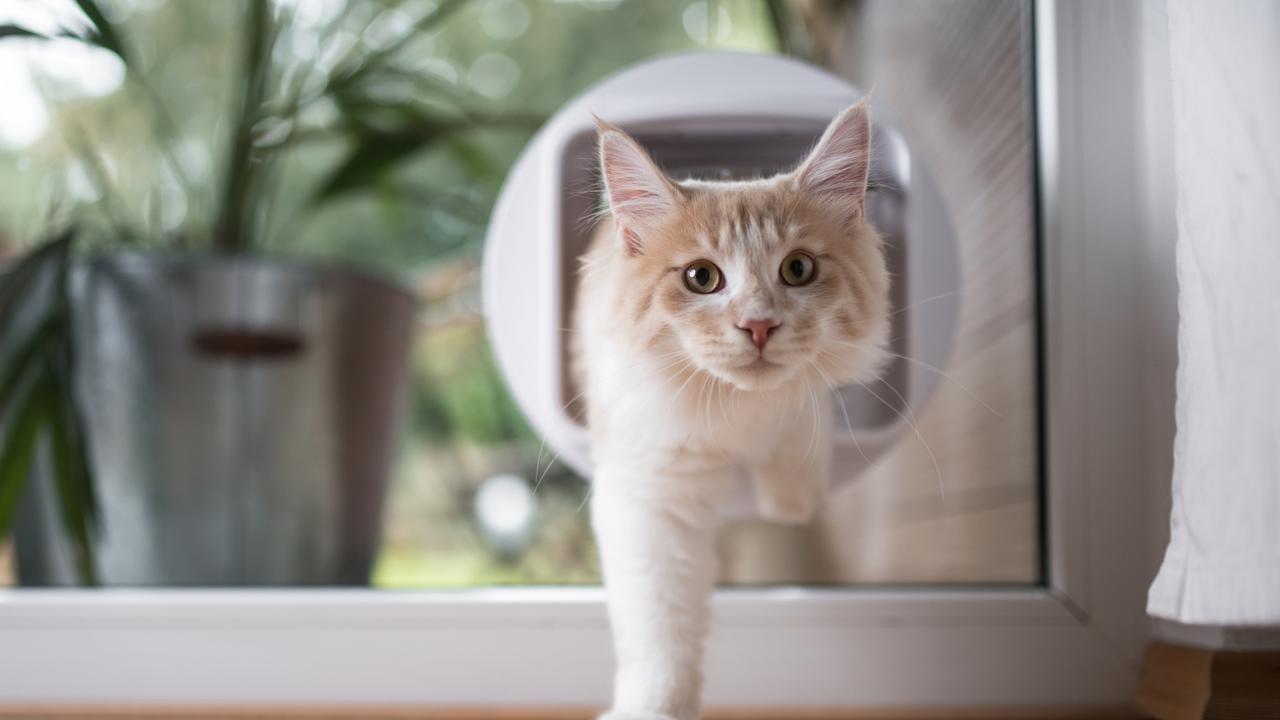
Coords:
1035,547
956,501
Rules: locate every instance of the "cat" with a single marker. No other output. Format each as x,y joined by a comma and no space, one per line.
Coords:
712,321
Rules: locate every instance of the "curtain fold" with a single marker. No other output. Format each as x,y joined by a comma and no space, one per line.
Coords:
1222,566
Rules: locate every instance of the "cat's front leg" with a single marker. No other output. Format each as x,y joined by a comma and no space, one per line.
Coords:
656,531
792,479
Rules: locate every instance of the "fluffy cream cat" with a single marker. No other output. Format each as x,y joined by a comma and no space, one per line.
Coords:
712,319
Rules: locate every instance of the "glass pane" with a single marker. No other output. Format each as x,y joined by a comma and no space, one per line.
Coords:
958,77
373,175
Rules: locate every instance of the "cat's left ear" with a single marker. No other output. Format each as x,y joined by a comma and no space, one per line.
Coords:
838,167
640,194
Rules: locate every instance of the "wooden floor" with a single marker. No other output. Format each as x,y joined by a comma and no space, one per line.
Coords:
386,713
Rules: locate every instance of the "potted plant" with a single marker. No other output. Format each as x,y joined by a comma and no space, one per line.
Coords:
187,409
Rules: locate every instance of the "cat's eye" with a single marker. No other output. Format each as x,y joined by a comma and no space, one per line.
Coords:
703,277
798,268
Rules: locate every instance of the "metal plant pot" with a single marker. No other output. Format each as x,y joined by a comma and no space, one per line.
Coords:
242,415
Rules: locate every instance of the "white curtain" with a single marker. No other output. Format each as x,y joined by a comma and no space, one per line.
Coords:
1222,566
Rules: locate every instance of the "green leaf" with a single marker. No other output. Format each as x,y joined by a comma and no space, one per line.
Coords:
424,24
16,31
104,31
70,465
16,366
373,156
234,228
17,451
32,291
17,283
477,161
780,24
80,506
36,369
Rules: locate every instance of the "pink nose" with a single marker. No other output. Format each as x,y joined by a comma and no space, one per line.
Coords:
760,330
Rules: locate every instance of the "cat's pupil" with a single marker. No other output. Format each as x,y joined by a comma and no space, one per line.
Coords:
797,268
702,276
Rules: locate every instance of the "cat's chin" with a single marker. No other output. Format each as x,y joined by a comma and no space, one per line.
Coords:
756,376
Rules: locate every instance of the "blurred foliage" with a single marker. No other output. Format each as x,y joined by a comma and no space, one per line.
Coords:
375,132
464,395
37,404
98,31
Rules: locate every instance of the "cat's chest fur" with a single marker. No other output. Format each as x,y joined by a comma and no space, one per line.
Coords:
689,413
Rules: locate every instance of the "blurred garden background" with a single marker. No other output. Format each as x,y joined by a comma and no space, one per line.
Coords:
390,128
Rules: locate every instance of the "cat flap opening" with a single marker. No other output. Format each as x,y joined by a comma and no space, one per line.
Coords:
712,116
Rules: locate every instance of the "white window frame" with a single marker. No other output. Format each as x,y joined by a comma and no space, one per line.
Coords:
1075,641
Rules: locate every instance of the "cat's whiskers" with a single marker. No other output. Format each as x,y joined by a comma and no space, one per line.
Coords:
918,303
537,464
543,474
723,413
941,373
685,365
909,418
675,357
589,220
942,488
835,391
680,390
679,360
812,446
676,354
901,399
701,390
712,391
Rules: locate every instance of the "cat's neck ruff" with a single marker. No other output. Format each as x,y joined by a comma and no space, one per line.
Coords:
675,407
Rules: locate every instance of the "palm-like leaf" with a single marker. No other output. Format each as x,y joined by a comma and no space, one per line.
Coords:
234,231
19,449
19,32
37,396
102,32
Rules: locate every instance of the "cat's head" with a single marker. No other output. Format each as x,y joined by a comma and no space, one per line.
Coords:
763,282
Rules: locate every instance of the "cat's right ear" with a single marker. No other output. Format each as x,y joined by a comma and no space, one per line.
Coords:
639,193
837,168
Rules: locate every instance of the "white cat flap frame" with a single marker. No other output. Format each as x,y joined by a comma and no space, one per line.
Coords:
709,115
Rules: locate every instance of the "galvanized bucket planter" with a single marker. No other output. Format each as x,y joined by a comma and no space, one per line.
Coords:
242,415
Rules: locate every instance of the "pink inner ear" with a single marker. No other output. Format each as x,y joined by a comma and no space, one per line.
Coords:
838,166
637,190
629,238
627,195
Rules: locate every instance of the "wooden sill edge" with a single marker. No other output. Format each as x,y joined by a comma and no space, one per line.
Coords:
279,712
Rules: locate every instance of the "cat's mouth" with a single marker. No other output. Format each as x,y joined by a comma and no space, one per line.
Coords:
760,365
757,374
752,370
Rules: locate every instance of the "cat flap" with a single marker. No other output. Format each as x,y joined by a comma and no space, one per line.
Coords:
710,116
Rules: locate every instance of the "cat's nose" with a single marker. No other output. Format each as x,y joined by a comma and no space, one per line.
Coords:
760,330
